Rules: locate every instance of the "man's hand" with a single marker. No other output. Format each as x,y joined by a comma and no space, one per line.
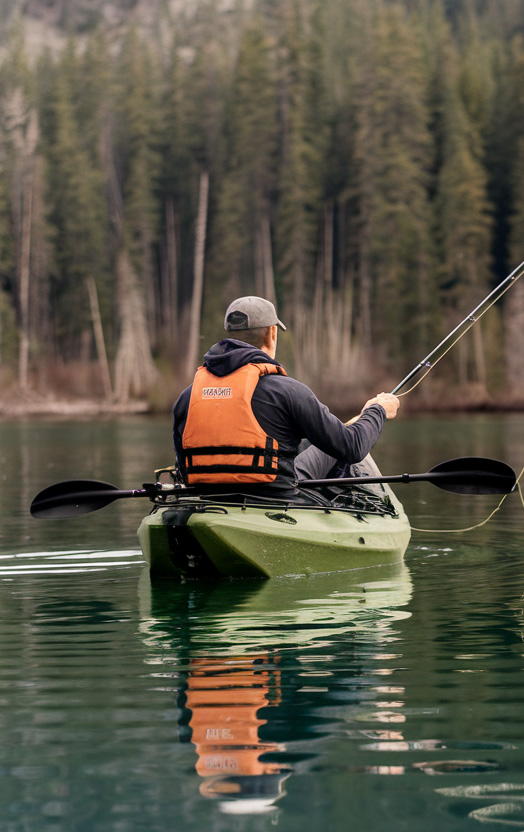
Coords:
389,402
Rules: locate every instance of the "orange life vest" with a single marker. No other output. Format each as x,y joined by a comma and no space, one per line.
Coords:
222,440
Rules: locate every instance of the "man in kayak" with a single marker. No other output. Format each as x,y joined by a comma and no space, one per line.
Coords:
243,419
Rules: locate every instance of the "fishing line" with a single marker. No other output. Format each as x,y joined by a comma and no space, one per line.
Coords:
477,525
405,393
464,326
427,362
472,321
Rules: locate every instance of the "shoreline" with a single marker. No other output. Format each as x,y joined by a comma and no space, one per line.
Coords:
36,406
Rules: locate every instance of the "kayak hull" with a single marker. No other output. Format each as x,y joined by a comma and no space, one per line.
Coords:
233,541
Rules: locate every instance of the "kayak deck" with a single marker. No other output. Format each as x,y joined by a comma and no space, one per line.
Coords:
213,539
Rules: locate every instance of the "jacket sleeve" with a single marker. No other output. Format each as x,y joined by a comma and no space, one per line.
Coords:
315,422
180,410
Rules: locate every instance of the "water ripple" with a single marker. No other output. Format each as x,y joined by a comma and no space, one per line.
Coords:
507,810
66,562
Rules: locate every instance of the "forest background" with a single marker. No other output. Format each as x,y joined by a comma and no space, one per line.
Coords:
360,162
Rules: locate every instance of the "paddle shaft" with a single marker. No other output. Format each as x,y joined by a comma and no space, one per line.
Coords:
459,330
105,497
468,475
437,476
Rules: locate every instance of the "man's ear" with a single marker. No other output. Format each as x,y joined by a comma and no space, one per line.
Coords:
269,340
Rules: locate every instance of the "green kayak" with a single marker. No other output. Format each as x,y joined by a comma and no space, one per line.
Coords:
209,537
319,526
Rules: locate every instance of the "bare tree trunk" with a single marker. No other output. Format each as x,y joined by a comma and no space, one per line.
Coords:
267,256
296,305
365,302
514,340
99,338
170,288
21,129
264,275
148,287
114,192
323,333
347,324
198,279
462,350
259,263
341,266
25,267
135,371
480,358
328,243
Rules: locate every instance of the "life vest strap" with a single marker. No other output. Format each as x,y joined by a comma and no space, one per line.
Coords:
229,469
263,459
215,450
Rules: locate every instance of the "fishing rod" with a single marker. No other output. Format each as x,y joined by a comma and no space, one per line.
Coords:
456,334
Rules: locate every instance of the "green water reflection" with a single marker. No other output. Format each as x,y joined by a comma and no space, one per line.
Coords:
384,699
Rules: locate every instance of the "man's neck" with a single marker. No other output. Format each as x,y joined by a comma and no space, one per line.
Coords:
271,352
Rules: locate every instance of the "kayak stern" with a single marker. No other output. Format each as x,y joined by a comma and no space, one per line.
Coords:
246,542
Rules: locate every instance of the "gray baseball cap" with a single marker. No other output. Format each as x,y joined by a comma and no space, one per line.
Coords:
251,313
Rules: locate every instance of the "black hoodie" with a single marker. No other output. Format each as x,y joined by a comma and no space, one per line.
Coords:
288,411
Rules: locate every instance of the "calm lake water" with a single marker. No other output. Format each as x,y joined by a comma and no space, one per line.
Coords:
386,699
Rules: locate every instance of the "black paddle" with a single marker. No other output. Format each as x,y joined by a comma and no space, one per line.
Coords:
469,475
73,497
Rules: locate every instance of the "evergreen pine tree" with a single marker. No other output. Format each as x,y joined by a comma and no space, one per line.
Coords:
20,144
132,169
514,301
392,155
461,201
78,212
299,197
242,229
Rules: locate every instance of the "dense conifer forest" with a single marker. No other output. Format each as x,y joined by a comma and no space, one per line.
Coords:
361,162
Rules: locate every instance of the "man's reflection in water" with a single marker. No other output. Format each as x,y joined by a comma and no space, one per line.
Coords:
225,696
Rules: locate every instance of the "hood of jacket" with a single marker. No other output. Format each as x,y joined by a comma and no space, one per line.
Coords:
229,355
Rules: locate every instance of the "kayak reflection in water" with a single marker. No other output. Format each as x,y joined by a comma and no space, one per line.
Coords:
225,697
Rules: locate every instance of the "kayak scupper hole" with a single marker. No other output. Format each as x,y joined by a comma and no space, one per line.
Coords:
361,540
281,517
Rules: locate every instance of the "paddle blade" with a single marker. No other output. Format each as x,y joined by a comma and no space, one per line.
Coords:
73,497
473,475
